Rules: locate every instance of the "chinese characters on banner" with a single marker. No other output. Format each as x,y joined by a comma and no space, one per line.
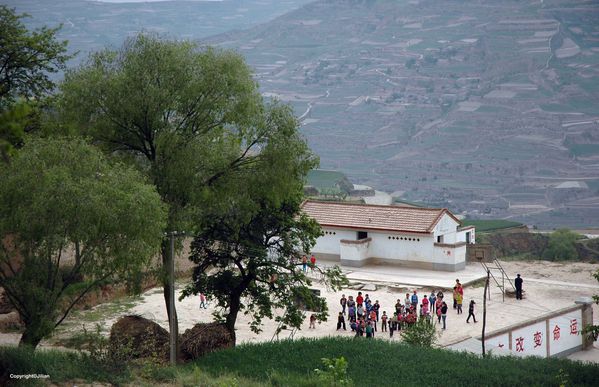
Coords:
530,340
560,335
538,339
520,344
574,326
501,341
565,332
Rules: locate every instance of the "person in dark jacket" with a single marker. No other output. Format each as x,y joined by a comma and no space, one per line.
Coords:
471,311
343,303
444,314
518,282
341,321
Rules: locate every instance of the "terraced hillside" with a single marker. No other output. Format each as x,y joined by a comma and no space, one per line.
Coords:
91,25
489,107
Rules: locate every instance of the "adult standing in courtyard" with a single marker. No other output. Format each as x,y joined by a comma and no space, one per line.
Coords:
343,303
518,282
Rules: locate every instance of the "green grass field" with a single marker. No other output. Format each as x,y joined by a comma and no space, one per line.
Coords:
490,225
390,364
324,179
584,149
292,363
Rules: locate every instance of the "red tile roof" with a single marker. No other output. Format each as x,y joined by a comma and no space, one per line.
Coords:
375,217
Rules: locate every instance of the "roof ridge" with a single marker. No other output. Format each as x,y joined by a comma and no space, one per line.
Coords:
373,205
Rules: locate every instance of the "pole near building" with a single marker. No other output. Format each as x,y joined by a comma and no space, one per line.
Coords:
485,309
173,328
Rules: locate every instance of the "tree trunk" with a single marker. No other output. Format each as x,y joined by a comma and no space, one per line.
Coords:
30,338
166,283
234,306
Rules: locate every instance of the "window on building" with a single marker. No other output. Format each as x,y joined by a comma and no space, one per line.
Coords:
467,237
440,239
362,235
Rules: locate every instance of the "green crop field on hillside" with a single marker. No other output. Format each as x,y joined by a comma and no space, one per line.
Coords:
491,224
325,179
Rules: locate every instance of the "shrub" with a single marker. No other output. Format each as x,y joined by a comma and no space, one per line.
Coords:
334,372
95,347
561,246
420,334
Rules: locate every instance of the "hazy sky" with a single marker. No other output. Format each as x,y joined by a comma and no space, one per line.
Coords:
141,1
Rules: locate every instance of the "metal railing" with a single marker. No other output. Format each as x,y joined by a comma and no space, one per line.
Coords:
495,270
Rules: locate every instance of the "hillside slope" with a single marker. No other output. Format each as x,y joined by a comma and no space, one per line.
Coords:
488,107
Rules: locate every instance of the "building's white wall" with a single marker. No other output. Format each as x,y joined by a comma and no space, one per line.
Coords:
392,246
355,252
447,226
331,241
449,255
461,235
411,248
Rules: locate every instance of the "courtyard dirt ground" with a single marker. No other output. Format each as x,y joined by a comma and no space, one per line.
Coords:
547,285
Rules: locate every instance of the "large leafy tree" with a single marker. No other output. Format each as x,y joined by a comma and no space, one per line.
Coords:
27,58
248,247
13,124
562,245
69,222
186,116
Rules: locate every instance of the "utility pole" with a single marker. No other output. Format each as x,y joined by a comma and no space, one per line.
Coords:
174,329
485,309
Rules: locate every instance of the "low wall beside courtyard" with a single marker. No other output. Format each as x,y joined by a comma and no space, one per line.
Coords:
557,333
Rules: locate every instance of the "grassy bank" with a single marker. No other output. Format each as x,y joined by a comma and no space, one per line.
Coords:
383,363
292,363
60,366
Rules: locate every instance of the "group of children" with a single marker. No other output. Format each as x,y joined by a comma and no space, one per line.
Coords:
306,262
363,314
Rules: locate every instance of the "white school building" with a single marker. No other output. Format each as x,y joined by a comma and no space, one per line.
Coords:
358,234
